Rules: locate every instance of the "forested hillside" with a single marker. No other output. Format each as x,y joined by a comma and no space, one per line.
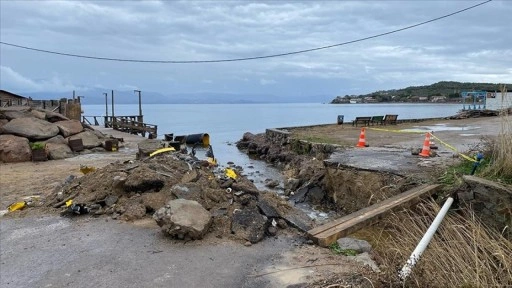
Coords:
449,89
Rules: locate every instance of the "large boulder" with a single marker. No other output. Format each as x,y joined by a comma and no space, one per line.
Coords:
58,151
38,114
89,139
69,127
183,219
55,117
57,139
15,112
14,149
31,128
148,146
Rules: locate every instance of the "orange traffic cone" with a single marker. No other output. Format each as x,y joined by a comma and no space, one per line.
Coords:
362,141
425,152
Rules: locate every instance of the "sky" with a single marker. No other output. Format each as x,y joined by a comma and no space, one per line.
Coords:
473,46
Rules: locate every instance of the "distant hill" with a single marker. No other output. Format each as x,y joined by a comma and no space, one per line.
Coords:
448,89
96,96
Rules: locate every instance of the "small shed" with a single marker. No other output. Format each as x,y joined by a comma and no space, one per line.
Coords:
10,99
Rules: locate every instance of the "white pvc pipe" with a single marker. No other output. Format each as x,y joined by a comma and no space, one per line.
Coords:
416,254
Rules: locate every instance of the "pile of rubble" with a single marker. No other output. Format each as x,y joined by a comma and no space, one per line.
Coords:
187,197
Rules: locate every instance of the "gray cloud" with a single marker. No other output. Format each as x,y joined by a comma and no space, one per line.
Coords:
471,46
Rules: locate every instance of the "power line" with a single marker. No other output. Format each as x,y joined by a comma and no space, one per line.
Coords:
246,58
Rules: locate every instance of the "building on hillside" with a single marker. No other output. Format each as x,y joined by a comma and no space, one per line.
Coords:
10,99
438,99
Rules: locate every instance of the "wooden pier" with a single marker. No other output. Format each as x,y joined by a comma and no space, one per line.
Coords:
128,124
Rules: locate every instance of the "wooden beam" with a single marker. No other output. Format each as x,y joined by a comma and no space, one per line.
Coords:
328,233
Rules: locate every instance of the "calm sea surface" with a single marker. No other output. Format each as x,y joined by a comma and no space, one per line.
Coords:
226,123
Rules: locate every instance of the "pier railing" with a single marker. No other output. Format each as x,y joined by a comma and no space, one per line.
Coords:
129,124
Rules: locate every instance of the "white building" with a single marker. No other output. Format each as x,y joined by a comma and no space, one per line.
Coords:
498,100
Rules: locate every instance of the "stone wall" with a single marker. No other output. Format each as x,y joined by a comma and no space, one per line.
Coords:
492,203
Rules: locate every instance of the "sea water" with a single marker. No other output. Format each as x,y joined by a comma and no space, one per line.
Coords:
226,123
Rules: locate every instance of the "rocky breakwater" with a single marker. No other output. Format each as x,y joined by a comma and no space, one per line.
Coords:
23,129
187,197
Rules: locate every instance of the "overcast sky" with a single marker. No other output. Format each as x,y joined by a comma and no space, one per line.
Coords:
473,46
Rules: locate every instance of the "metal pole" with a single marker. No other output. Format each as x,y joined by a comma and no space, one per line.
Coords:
106,104
112,105
416,254
140,103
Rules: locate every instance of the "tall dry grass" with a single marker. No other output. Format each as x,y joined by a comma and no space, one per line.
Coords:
501,149
463,253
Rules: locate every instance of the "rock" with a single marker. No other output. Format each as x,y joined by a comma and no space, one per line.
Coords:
272,184
148,146
15,112
118,182
58,151
32,128
143,179
182,218
315,195
357,245
57,139
110,200
267,208
69,127
366,260
281,223
272,231
38,114
249,224
291,184
189,191
2,123
89,139
190,176
14,149
54,117
300,195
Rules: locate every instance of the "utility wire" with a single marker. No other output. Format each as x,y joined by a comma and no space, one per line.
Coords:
246,58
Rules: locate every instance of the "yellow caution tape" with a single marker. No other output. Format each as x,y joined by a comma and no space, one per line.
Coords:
453,148
432,135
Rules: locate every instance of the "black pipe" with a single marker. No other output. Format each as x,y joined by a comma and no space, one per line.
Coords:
203,139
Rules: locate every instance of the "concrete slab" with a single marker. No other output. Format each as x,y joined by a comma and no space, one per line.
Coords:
391,160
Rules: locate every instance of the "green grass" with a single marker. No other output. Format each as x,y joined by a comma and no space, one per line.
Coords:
335,248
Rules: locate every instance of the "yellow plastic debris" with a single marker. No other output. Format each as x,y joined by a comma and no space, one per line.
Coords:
69,202
17,206
231,173
162,150
87,169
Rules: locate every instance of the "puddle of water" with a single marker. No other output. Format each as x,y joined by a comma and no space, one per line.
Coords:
468,135
439,127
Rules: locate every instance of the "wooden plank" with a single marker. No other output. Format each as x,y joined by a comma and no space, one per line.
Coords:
330,232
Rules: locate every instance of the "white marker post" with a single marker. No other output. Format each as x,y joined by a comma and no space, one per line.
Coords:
416,254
